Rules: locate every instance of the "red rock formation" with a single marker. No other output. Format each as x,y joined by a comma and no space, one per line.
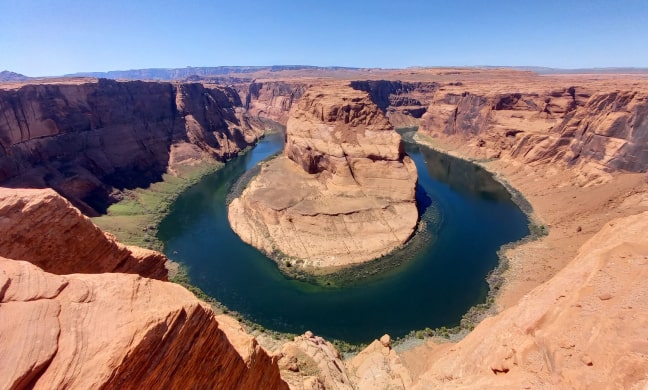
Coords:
41,227
271,100
585,328
89,139
87,331
343,194
310,362
601,132
379,367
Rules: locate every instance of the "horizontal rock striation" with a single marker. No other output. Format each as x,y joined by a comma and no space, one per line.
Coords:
530,120
600,132
270,100
43,228
89,139
394,93
88,331
344,191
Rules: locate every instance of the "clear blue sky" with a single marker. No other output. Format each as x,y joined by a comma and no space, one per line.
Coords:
53,37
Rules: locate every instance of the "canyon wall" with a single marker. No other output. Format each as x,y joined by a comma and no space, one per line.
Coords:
403,102
90,139
83,331
596,129
270,100
598,132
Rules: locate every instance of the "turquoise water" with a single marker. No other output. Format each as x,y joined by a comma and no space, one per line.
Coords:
468,216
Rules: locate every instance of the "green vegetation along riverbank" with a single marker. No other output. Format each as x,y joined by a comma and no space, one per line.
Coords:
134,219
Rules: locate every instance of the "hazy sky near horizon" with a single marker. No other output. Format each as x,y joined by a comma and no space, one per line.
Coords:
55,37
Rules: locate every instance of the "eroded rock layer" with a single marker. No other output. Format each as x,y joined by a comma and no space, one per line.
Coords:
597,125
90,331
88,139
43,228
586,328
92,322
342,193
598,132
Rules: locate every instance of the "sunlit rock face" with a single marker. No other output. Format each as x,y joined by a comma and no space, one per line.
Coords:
343,192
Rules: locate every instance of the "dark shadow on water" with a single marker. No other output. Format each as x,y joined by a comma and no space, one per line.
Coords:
423,200
463,176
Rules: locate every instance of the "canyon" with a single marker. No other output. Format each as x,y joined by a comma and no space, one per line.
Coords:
96,313
91,139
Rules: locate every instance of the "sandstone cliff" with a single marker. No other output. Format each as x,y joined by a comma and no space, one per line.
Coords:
593,122
41,227
88,139
403,102
597,126
344,191
585,328
88,331
599,132
88,324
270,100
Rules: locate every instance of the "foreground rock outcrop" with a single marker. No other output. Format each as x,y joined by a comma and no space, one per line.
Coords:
310,362
41,227
92,322
342,193
85,331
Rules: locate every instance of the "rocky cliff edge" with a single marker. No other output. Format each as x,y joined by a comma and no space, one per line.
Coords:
105,328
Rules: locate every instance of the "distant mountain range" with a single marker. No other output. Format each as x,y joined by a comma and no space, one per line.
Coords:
184,73
6,75
198,73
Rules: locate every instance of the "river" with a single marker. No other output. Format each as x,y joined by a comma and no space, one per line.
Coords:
468,216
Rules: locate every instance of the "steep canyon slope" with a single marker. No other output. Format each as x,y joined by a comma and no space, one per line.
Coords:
89,139
41,227
593,122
